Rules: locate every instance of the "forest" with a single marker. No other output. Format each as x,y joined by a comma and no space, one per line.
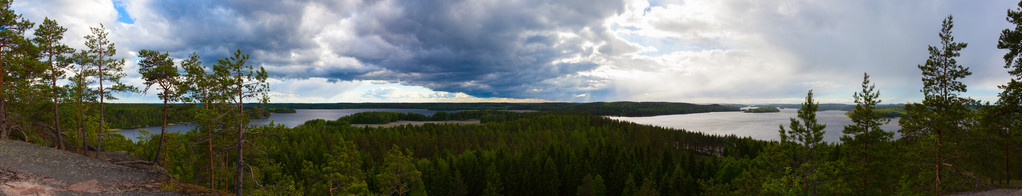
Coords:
948,143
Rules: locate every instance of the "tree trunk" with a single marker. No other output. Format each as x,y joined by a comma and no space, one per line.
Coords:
209,134
81,108
1007,160
102,96
940,161
56,112
3,103
865,153
163,131
241,140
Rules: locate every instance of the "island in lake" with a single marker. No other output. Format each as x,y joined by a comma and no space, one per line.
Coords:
762,110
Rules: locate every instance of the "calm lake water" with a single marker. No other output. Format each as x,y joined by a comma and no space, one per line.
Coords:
287,119
756,125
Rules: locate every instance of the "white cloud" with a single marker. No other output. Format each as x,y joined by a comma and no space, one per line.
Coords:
673,50
772,51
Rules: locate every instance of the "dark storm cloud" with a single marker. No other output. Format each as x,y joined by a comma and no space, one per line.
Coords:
483,48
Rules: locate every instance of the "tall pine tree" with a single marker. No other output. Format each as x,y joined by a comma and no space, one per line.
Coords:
807,133
864,134
942,114
108,70
48,37
1010,100
13,66
157,68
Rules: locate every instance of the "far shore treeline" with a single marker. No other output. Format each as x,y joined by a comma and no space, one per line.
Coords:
135,115
948,143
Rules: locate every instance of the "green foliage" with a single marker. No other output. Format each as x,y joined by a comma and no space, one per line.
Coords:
281,110
867,158
55,54
340,175
763,110
107,69
398,174
805,131
592,186
539,153
494,186
943,117
381,117
1009,109
18,68
807,134
886,111
157,68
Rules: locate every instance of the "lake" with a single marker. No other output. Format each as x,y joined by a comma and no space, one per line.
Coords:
761,126
287,119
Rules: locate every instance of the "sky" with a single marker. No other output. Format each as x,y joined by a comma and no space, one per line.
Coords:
698,51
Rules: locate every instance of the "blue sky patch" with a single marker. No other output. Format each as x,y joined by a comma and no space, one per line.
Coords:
122,14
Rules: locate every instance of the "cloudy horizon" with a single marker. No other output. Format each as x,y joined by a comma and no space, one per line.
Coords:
713,51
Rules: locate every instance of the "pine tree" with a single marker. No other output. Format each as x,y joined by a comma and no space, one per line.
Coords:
807,133
48,37
943,113
1010,99
240,81
12,63
82,93
108,69
343,170
157,68
866,132
198,88
399,174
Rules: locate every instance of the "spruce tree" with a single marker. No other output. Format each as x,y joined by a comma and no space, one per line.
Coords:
494,186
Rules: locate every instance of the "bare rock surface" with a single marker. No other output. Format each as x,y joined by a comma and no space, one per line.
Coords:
27,169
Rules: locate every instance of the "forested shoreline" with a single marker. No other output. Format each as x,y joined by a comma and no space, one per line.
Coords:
949,143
